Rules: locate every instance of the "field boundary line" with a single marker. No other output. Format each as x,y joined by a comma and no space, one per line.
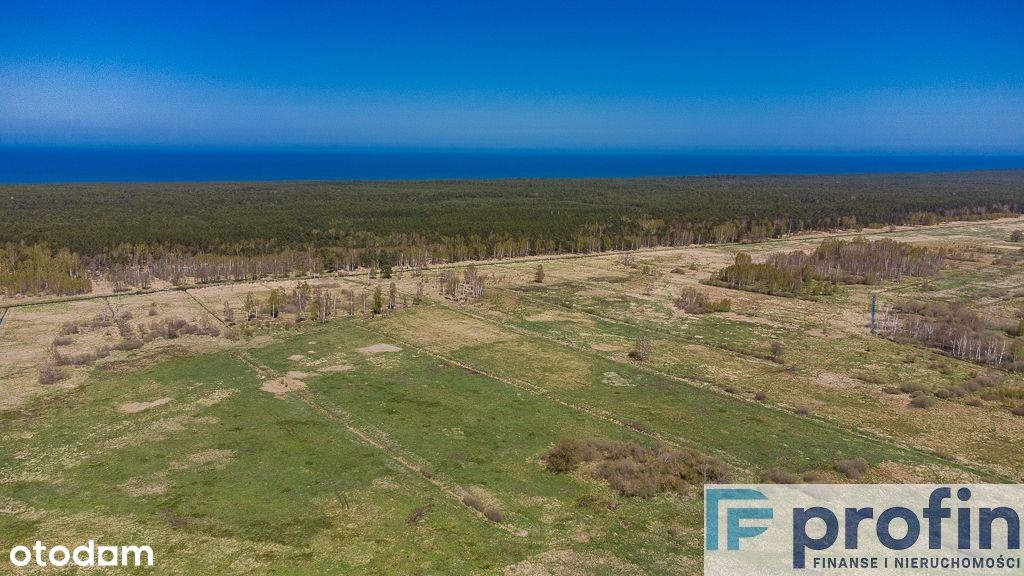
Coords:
379,440
824,423
672,440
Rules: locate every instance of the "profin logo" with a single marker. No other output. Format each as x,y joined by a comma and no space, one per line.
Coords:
734,516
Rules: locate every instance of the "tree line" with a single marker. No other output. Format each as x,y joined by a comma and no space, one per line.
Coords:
129,234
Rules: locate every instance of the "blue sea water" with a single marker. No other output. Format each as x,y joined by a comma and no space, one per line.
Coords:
38,165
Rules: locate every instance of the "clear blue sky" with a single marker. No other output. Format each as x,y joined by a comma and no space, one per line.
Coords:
724,75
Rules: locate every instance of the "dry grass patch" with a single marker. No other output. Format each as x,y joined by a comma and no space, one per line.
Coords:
334,369
571,563
380,348
133,407
835,381
444,330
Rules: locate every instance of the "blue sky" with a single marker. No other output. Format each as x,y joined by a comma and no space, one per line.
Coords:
691,76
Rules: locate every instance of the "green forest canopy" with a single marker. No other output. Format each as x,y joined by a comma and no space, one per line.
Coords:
553,215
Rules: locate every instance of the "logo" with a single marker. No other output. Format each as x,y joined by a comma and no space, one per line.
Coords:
863,529
713,500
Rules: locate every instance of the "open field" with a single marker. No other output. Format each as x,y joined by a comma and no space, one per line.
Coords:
413,441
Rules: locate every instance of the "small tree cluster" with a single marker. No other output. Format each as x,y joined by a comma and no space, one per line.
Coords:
693,301
635,470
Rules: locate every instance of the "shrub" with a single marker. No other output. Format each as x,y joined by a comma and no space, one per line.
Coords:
129,344
731,390
636,470
1018,411
1016,235
62,341
892,390
50,373
975,402
779,476
474,503
803,410
494,515
69,328
777,351
922,401
566,456
853,468
416,515
761,396
912,387
693,301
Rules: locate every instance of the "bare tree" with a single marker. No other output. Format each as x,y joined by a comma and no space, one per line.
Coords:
641,348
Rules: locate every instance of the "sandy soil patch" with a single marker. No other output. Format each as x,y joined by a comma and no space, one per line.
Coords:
282,386
296,374
613,379
378,348
296,357
336,368
133,407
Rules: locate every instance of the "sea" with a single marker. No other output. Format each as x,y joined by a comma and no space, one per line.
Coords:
53,165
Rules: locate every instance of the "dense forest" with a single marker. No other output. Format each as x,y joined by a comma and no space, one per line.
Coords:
131,233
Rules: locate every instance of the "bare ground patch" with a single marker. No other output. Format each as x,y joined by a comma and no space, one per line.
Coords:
281,386
613,379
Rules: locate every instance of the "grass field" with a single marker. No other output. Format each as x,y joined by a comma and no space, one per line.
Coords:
390,444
